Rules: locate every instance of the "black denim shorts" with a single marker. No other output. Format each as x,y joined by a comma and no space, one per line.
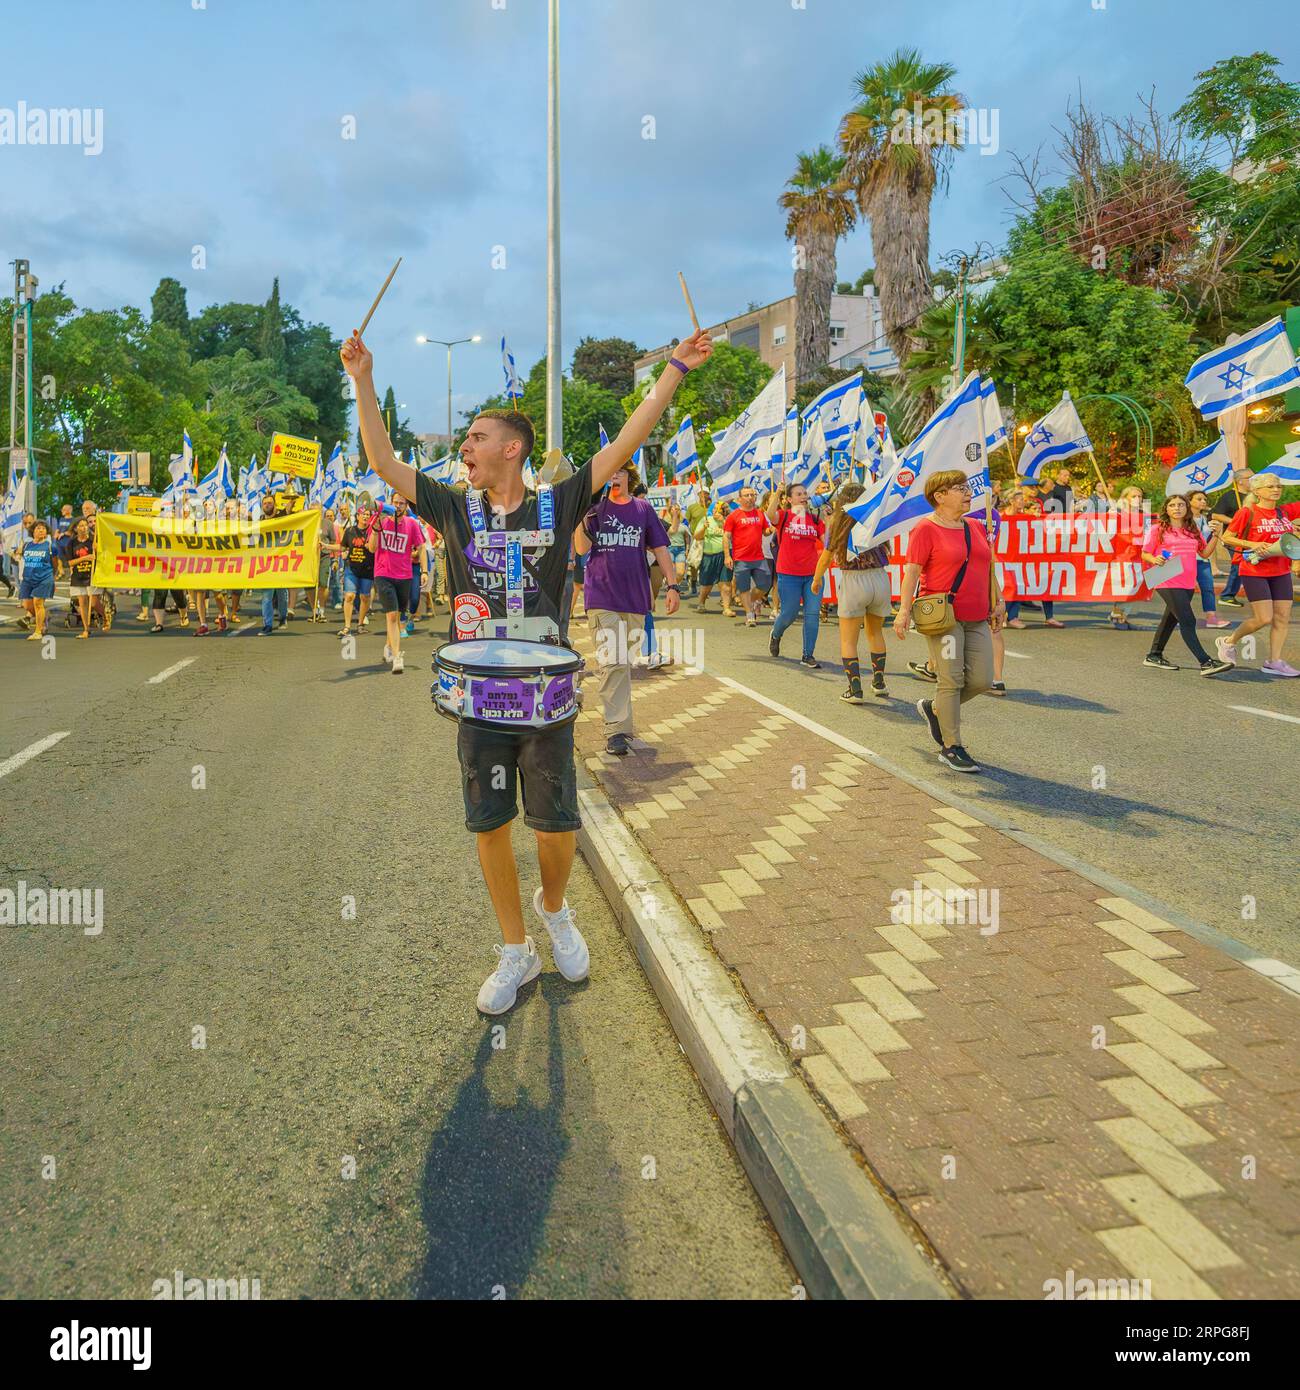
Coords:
491,763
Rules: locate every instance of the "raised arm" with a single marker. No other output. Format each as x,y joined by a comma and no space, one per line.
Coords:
691,352
360,366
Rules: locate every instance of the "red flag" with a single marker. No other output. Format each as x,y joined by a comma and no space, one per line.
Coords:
660,483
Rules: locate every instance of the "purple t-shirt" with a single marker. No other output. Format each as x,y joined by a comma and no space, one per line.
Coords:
617,577
397,543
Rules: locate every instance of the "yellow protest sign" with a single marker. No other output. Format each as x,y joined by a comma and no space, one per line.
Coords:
142,506
165,553
297,457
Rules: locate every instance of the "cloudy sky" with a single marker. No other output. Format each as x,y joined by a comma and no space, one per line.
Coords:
224,120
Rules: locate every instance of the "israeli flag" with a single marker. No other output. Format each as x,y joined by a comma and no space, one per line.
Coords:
688,495
179,468
441,470
837,407
1261,364
334,479
747,444
371,482
1059,435
682,451
1286,468
216,485
1207,470
953,438
604,438
514,387
813,456
530,478
11,513
994,424
187,451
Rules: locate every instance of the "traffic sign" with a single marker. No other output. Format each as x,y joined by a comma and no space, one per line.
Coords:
297,457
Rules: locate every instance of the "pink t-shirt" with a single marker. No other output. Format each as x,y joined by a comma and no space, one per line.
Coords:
398,541
1181,546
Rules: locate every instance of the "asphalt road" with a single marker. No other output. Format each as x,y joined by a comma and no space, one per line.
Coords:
1155,777
569,1154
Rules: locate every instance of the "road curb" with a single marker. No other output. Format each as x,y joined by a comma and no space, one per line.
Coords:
841,1234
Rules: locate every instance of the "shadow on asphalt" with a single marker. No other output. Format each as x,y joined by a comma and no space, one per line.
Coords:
493,1166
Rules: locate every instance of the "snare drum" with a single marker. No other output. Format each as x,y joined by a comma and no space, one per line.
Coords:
506,683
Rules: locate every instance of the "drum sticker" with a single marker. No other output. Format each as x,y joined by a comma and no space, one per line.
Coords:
469,611
557,700
502,698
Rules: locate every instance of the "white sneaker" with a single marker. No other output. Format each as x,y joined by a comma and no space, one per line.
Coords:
398,665
388,652
513,970
572,958
1226,650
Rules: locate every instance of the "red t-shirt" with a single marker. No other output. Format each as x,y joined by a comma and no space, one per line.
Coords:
940,550
801,543
1266,526
746,531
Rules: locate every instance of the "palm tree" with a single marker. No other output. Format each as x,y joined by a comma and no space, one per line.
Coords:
898,142
820,211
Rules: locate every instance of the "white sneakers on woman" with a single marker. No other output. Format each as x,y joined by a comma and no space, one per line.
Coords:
517,965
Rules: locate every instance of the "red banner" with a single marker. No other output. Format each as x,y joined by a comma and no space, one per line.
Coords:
1077,558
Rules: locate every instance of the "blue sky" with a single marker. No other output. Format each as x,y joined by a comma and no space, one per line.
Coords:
222,128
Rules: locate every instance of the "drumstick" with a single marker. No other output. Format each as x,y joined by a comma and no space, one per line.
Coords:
379,296
695,323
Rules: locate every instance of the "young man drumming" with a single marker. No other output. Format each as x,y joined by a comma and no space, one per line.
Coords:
494,451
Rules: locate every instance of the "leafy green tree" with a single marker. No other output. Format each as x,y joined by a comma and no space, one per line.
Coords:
226,328
1243,102
606,362
168,307
270,337
1052,324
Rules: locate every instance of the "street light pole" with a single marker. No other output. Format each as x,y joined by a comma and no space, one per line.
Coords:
554,375
455,342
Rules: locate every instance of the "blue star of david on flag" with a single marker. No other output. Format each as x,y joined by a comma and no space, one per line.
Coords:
1236,376
1042,435
1200,476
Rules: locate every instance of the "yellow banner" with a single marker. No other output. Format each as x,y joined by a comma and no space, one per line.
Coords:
289,454
142,506
164,553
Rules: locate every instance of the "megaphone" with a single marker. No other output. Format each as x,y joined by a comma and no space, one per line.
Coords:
1289,545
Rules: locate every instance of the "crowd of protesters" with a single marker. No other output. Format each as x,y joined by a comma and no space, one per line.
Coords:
771,560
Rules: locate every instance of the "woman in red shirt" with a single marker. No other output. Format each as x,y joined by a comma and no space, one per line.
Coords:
798,543
1265,572
943,549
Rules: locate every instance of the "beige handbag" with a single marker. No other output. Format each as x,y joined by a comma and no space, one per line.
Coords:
932,614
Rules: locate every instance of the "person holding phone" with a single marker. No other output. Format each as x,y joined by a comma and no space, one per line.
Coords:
1174,535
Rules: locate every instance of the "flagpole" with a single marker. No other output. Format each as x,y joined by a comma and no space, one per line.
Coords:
554,379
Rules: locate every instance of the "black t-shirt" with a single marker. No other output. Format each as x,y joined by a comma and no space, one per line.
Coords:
444,508
1227,506
360,560
81,561
1059,498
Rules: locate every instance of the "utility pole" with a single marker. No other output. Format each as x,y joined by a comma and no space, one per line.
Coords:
959,336
21,457
554,367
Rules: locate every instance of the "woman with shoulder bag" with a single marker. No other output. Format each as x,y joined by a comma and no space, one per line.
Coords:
951,595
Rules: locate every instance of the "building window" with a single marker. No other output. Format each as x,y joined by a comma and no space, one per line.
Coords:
837,332
778,335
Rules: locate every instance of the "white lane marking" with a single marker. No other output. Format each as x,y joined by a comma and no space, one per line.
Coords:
1019,656
1265,713
18,759
811,725
170,671
256,622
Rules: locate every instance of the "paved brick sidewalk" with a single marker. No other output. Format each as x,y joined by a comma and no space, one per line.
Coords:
1083,1089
